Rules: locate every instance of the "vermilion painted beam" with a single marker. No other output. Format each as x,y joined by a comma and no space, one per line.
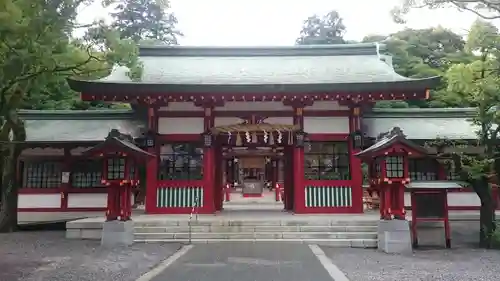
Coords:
268,113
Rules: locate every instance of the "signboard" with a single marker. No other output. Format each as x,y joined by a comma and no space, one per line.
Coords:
430,205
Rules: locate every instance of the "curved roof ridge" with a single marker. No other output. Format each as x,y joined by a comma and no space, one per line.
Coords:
245,51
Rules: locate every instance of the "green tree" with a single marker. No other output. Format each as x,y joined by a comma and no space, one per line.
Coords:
476,84
322,30
485,9
419,53
144,20
37,51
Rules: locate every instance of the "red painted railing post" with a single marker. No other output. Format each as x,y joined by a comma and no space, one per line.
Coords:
228,192
277,192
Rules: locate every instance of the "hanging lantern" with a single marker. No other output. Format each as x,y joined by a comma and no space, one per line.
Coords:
207,139
150,139
357,140
300,138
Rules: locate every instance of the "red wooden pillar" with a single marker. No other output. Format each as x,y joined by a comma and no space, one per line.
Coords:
298,166
152,164
355,167
209,194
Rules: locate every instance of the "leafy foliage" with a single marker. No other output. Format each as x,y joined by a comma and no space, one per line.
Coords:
485,9
321,30
144,20
38,53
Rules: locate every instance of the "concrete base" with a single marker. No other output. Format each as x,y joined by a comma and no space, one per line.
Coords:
394,236
116,233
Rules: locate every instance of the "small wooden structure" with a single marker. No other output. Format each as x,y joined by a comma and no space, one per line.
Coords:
120,172
429,203
388,160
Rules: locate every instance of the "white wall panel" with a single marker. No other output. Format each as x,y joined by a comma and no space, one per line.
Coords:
192,125
326,125
87,200
39,200
181,106
42,152
279,120
224,121
460,199
326,105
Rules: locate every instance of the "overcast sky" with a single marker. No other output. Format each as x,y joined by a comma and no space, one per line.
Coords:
278,22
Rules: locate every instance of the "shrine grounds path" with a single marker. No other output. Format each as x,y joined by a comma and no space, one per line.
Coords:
464,262
48,256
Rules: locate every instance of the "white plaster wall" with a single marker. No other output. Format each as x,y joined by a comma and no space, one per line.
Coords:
224,121
39,200
42,152
181,106
461,199
254,106
279,120
79,150
189,125
326,125
326,105
407,199
87,200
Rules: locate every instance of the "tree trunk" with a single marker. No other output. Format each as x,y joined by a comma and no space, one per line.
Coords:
9,196
487,211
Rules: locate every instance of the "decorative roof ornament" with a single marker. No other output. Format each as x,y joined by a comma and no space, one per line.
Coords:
395,131
377,47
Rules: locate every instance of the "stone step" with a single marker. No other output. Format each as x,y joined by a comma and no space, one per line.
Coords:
258,235
254,223
258,228
353,243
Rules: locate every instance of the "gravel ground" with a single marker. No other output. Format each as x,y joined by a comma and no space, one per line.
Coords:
461,263
49,256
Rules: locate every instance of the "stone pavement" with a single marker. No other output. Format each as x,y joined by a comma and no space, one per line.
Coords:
246,262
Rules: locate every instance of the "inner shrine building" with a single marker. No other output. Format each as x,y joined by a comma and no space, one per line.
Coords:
292,117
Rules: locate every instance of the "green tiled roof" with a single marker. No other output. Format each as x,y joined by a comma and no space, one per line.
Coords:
422,123
267,69
78,125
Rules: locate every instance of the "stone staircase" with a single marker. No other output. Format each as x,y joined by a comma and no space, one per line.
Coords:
337,233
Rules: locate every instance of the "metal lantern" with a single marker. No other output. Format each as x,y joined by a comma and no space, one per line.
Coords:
150,139
300,138
357,140
207,139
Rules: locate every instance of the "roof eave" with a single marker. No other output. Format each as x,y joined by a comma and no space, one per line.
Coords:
135,88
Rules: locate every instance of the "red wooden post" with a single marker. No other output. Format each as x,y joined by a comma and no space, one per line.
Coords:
414,220
447,233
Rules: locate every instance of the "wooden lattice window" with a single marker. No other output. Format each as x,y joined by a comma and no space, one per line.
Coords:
116,168
394,166
86,174
43,174
422,169
327,161
181,161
